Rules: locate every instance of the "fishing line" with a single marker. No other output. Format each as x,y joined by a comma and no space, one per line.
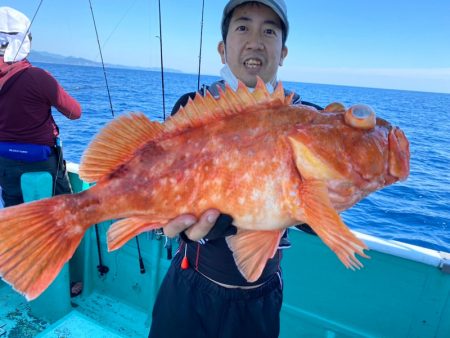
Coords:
28,30
200,52
162,64
101,57
117,26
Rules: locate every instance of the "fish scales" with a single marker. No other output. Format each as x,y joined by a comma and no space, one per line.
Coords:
252,155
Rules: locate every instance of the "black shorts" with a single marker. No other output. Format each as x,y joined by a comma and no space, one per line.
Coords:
12,170
190,305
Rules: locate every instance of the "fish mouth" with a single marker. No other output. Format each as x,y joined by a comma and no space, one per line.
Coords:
253,64
399,155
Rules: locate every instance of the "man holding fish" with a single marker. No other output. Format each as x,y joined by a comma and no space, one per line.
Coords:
217,300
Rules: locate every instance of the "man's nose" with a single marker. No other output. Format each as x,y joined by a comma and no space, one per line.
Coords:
255,41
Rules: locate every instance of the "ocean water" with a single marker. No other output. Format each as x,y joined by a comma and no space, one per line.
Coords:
416,211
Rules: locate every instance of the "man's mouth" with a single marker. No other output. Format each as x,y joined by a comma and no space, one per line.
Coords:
252,63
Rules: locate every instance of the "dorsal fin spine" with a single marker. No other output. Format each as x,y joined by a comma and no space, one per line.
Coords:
211,103
244,95
260,93
226,104
233,98
279,91
194,112
201,104
125,135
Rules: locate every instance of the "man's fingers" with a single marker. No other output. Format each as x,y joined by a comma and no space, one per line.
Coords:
178,224
203,226
194,229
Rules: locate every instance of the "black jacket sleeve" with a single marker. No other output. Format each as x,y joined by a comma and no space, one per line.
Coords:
182,101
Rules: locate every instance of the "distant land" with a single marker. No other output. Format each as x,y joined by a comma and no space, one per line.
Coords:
45,57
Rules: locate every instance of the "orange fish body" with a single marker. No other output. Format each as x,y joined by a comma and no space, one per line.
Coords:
254,156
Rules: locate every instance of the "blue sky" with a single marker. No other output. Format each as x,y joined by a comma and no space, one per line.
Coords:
385,43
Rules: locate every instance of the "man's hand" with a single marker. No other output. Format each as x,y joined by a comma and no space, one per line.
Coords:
194,228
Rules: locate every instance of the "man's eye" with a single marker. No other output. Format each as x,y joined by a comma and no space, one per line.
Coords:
270,31
241,28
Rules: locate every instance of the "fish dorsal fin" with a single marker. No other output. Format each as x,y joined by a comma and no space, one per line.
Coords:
119,140
116,143
205,109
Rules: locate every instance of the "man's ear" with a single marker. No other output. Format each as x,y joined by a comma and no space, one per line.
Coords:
284,53
221,50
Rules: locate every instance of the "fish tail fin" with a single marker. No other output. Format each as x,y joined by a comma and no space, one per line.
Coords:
328,225
36,240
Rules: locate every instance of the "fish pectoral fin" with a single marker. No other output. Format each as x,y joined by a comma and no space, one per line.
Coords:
326,222
309,163
123,230
252,249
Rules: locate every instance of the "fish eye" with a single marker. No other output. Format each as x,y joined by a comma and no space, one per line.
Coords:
360,116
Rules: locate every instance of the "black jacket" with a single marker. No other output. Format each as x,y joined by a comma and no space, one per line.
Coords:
183,100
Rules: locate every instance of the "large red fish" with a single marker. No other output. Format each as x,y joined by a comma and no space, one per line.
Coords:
255,156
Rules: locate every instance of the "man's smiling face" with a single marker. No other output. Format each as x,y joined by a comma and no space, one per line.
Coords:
254,45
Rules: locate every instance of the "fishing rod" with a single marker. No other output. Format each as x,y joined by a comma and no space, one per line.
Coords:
101,57
101,268
201,43
141,261
162,64
159,232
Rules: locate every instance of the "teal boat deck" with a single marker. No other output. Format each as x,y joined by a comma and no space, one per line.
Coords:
97,315
88,317
403,291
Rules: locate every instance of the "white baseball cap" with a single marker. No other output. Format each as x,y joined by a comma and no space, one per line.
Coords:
14,29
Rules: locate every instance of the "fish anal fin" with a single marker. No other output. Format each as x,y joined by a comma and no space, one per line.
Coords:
116,143
320,215
252,249
123,230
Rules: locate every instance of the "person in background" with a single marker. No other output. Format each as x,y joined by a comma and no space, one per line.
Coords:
207,296
28,132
